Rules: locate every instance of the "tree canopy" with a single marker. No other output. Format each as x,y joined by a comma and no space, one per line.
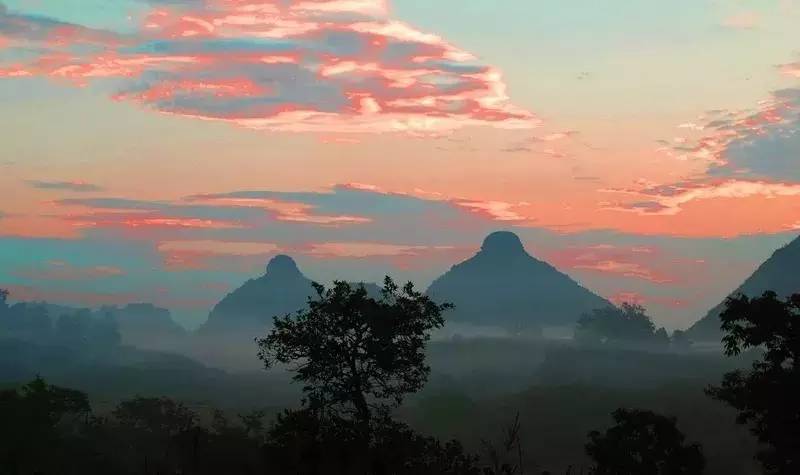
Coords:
766,397
643,443
356,356
29,432
625,324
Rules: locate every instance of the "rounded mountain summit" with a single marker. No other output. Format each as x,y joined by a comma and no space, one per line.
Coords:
503,285
282,290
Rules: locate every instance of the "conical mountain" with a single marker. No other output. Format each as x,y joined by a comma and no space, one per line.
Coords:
504,286
780,273
283,289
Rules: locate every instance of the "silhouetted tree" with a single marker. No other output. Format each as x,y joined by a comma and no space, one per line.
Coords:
30,439
158,432
24,320
158,416
628,323
509,448
357,357
304,444
3,301
643,443
767,396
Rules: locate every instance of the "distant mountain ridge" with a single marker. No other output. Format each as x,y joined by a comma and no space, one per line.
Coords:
501,286
504,286
282,290
780,273
138,324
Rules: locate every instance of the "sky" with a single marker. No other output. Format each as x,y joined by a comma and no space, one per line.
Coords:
164,150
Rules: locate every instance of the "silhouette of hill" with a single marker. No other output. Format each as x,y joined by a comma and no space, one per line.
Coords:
778,273
504,286
142,325
283,289
145,326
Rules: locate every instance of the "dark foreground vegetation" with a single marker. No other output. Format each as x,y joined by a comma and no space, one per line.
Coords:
361,365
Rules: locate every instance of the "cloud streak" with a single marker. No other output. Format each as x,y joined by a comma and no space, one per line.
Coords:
75,186
670,199
630,262
64,271
300,66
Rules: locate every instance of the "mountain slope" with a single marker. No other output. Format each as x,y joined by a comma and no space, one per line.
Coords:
502,285
780,273
283,289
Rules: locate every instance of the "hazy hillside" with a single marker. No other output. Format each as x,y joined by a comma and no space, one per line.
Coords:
780,273
281,290
502,285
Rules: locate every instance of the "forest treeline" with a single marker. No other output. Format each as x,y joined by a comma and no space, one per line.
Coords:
357,359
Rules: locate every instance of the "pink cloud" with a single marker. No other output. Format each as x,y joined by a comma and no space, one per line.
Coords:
742,21
332,250
494,210
273,65
790,69
632,262
721,129
670,199
25,293
60,270
145,220
210,254
491,209
641,299
284,210
248,256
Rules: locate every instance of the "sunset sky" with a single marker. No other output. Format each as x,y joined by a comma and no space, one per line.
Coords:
164,150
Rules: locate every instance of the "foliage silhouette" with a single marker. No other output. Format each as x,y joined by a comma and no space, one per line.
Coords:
32,418
357,357
767,395
627,324
510,447
643,443
301,442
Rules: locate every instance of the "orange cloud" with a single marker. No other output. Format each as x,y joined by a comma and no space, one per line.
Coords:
633,262
206,254
60,270
743,21
147,220
272,65
645,300
368,249
790,69
283,210
670,199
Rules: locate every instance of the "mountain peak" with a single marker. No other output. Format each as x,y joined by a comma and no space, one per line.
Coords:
503,286
251,306
502,242
778,273
282,266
